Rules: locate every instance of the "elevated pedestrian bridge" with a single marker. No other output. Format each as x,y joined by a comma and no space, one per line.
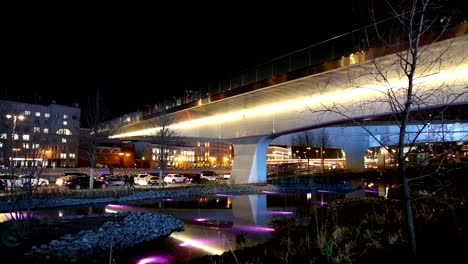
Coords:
332,93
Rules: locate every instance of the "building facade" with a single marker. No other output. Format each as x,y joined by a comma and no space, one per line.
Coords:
38,135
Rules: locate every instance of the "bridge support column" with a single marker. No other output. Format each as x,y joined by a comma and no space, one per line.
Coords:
250,160
355,142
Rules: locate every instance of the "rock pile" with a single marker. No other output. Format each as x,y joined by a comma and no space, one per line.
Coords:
135,228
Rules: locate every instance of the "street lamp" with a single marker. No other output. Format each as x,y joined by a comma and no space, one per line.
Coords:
121,159
14,119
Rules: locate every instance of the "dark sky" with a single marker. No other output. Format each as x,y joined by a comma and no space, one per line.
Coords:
136,54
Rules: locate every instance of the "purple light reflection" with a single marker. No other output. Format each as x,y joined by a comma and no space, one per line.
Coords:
275,212
253,228
120,206
116,208
200,219
269,192
168,199
319,202
154,259
323,191
225,195
14,216
372,190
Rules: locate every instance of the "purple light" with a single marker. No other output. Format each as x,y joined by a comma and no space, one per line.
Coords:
200,219
372,191
323,191
253,228
319,202
224,195
120,206
274,212
155,260
269,192
168,199
16,216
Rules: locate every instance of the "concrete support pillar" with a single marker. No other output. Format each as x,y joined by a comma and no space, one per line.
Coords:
249,165
355,142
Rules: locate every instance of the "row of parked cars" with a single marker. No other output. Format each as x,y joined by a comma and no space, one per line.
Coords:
20,181
75,180
79,180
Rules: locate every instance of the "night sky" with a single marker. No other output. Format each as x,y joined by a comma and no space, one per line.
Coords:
138,54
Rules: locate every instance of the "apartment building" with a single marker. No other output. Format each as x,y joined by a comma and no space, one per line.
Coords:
38,135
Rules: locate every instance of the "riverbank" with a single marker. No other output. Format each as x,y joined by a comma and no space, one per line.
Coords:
179,193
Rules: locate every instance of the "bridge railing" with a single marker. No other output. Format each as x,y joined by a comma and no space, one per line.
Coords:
332,49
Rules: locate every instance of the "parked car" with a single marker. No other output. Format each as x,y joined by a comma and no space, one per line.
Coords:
154,181
105,176
141,179
115,180
60,181
33,180
173,178
209,175
82,182
9,180
227,176
192,178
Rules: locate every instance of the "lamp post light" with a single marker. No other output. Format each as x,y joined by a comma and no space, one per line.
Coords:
14,119
121,159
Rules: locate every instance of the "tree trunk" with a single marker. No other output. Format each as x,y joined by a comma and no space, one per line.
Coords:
409,214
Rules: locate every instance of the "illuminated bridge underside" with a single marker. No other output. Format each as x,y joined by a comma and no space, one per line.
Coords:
251,120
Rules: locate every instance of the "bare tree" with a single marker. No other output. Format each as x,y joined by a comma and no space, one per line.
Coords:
312,138
404,55
305,139
94,115
164,139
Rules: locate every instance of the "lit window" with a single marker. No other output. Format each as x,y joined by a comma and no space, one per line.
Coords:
47,115
36,145
3,136
65,116
27,112
71,155
64,140
1,144
26,145
25,137
63,155
65,123
46,130
38,113
15,136
37,129
64,131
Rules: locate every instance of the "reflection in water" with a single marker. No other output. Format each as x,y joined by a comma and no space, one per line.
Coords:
212,225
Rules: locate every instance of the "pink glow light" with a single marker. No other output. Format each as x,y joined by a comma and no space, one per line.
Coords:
224,195
154,260
275,212
253,228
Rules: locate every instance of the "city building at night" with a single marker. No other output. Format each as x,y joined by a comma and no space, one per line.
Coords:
38,135
194,154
